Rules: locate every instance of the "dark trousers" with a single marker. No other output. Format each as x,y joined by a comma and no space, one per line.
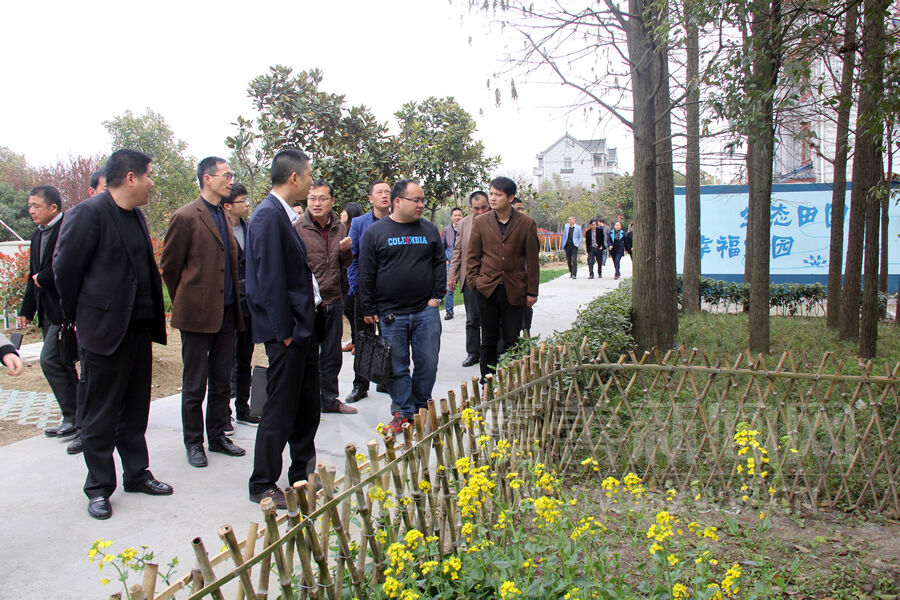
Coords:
207,361
501,322
290,415
597,255
115,410
330,355
358,380
349,308
63,378
241,375
527,317
617,259
473,323
572,259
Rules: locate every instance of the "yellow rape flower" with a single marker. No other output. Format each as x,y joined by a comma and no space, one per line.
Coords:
673,560
428,566
425,486
508,589
679,591
413,538
591,463
409,595
463,465
104,581
451,567
710,532
391,587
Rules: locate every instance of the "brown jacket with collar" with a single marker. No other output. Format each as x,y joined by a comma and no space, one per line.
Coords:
511,258
327,261
193,269
458,258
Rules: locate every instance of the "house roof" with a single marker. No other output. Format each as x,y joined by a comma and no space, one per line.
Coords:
597,146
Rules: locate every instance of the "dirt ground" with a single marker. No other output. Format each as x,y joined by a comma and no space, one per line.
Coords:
166,376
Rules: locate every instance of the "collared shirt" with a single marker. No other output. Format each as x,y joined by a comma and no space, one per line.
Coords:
294,217
45,240
503,226
218,216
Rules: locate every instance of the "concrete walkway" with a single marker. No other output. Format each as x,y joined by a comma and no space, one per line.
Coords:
47,531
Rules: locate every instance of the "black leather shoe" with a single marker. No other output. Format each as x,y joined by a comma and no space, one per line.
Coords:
229,427
196,456
471,360
248,419
275,494
448,316
150,486
356,395
340,408
76,446
225,446
381,388
64,429
99,508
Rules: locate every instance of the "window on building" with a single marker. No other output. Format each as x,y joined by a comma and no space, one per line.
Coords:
567,163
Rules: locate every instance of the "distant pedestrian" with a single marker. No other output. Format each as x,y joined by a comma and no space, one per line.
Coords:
571,239
595,244
619,244
448,237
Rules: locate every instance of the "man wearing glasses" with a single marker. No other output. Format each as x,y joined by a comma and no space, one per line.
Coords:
328,254
200,269
237,207
402,278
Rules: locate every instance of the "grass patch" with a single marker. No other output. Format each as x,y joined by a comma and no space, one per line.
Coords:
727,335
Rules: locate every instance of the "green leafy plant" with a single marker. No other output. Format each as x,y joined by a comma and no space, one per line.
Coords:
126,562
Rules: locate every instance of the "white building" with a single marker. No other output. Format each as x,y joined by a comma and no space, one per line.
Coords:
577,162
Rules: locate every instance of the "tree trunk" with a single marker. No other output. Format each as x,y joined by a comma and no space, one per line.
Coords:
867,165
644,296
885,205
760,150
690,301
839,191
870,176
666,266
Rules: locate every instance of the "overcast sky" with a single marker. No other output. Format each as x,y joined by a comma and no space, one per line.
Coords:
69,66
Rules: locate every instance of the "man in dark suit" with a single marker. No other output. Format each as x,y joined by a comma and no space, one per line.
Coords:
200,268
109,285
282,304
42,299
237,206
503,270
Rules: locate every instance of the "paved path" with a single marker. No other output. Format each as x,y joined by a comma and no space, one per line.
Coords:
47,531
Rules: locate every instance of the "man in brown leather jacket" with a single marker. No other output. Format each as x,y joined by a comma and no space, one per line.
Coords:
328,254
200,269
502,268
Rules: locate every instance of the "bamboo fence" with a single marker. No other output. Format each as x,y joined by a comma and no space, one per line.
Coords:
671,419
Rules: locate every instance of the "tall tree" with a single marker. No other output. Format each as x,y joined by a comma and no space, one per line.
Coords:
348,145
690,302
842,147
438,147
71,177
173,170
868,171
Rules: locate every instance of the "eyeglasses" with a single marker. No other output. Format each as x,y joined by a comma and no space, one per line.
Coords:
229,175
318,198
414,200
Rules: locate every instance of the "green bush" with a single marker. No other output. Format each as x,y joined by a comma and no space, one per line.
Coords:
788,299
604,319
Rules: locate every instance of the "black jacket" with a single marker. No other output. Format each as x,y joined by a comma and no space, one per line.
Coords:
42,301
96,276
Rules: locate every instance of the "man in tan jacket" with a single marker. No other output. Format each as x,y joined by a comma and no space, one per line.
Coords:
478,204
328,254
502,267
200,269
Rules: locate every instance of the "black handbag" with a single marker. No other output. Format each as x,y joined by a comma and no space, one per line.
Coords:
372,358
67,343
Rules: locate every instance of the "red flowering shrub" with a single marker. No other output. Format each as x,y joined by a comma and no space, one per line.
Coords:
13,277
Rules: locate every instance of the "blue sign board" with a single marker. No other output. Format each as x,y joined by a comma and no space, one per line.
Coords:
800,229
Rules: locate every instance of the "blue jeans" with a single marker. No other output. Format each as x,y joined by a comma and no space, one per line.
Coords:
448,297
420,331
